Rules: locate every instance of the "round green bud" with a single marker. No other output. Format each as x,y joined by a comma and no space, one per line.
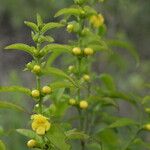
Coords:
47,90
35,93
147,127
31,144
72,101
85,31
36,69
86,78
88,51
70,28
29,65
76,51
71,68
147,110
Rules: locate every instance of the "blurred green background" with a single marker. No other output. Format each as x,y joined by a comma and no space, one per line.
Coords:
125,19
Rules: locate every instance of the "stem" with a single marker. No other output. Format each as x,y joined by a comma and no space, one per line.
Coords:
38,85
79,97
132,139
38,82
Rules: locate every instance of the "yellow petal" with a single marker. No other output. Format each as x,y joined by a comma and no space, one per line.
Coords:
47,126
40,130
34,125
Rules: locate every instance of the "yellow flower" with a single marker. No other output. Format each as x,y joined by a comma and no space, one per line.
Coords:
31,143
97,20
83,104
40,124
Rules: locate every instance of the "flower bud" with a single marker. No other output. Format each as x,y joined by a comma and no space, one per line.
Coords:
85,31
72,101
29,65
46,90
88,51
97,20
70,28
147,110
147,127
83,104
37,106
37,69
31,144
63,21
71,68
86,78
76,51
35,93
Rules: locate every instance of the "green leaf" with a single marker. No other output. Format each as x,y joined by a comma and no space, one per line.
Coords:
2,146
7,105
52,57
122,122
30,134
61,84
49,39
69,11
51,25
99,46
46,39
59,73
108,81
15,89
107,101
57,47
39,20
22,47
125,45
103,101
32,25
109,139
94,146
89,10
58,138
120,95
74,134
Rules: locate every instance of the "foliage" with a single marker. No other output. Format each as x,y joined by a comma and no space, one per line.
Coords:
92,96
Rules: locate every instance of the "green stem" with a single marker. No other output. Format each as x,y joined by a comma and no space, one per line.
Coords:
38,82
132,140
79,97
38,85
87,115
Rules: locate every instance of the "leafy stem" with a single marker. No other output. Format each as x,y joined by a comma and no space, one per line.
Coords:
38,81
